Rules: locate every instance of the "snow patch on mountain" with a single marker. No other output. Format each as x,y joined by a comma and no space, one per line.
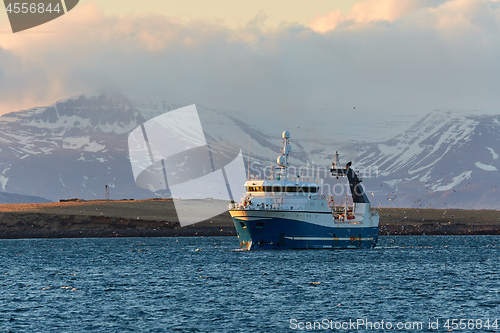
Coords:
60,179
493,153
485,167
392,182
75,143
82,143
3,180
454,182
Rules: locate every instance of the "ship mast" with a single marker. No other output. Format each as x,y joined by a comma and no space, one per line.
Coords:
357,192
283,158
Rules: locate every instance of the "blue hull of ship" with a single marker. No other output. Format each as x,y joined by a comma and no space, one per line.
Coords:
280,233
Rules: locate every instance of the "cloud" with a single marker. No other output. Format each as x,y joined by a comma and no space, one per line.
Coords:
465,15
399,58
327,22
365,12
439,13
383,10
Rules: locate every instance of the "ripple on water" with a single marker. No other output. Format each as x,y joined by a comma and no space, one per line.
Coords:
203,284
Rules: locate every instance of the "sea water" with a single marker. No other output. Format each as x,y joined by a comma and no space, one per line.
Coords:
202,284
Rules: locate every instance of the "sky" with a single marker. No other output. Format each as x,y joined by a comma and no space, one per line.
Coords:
387,58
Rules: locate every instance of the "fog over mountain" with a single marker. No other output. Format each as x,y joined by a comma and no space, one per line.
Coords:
73,148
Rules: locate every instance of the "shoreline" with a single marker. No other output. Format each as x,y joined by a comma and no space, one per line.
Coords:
176,232
157,218
394,230
456,230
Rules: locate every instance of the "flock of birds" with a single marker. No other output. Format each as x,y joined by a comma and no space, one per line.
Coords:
392,196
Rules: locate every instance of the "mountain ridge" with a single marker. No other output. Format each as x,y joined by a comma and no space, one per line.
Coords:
76,146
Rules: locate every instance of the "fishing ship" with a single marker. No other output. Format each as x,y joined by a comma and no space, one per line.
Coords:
289,212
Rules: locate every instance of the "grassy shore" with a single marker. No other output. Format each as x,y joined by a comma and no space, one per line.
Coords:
157,217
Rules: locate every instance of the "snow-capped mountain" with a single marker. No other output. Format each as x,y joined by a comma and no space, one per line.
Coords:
448,159
76,146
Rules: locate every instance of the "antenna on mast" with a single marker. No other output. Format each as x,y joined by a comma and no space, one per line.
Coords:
248,160
283,158
271,174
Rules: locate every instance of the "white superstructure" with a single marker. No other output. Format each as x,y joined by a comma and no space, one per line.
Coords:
288,211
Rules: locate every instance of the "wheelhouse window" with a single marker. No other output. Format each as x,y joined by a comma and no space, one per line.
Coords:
288,189
255,188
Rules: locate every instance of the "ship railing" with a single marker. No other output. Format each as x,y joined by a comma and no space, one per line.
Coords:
341,208
287,207
348,222
273,206
277,206
290,178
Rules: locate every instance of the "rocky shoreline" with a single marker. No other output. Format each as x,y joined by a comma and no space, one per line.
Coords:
230,231
387,230
175,232
157,218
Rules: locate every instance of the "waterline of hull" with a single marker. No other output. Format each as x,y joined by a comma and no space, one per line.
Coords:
283,233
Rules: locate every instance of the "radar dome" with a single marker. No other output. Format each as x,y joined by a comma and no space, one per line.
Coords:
281,160
285,135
